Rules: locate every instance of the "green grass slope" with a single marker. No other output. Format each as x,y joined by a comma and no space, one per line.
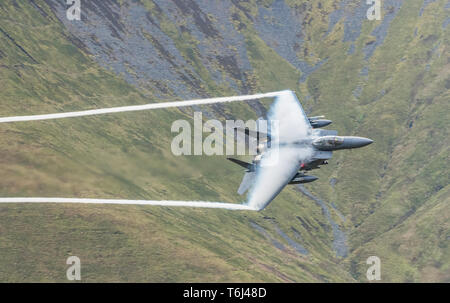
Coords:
124,156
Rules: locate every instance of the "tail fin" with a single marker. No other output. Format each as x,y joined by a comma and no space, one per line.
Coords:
247,181
254,134
249,175
245,165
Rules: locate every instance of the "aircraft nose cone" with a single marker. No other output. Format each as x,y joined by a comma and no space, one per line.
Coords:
360,142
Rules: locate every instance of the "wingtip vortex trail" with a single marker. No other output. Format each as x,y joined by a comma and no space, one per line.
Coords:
194,204
150,106
132,108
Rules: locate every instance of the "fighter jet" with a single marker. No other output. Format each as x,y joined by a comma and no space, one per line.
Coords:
285,153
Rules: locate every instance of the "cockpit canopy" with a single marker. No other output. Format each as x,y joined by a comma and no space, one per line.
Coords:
328,141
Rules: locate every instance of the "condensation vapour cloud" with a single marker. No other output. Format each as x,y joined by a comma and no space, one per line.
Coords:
282,160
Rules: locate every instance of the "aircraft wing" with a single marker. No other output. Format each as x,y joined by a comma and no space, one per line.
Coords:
281,161
290,121
276,170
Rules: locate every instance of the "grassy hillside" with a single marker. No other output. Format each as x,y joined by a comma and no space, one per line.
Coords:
393,195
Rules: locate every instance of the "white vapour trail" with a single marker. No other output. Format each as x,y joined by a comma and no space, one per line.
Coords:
198,204
101,111
132,108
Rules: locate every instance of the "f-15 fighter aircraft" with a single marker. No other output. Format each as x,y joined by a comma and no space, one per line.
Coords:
284,155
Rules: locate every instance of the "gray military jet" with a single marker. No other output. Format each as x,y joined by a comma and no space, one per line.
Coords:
284,155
